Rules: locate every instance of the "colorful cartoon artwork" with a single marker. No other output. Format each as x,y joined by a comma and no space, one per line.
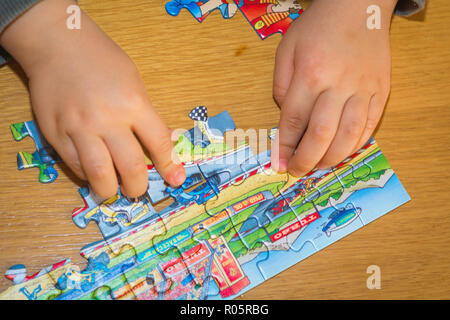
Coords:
43,158
266,16
231,226
270,16
201,9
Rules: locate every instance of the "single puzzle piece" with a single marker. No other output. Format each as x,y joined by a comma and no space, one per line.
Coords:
270,16
201,9
43,158
208,130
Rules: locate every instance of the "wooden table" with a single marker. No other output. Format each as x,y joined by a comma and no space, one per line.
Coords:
224,65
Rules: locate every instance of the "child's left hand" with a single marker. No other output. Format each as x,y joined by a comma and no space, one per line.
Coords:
331,81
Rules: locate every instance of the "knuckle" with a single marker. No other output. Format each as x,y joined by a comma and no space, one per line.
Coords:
135,101
75,165
98,171
314,74
279,92
371,124
135,168
321,132
353,129
294,122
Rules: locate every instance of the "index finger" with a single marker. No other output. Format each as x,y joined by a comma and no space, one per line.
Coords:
155,136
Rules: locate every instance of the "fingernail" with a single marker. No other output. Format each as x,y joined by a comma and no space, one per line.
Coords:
179,177
282,165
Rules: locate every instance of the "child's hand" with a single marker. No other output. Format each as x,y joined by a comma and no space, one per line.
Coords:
89,100
331,81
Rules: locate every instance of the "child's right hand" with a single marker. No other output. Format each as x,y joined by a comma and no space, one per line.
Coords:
90,101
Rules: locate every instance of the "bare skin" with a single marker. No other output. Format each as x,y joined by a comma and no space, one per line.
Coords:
331,81
90,101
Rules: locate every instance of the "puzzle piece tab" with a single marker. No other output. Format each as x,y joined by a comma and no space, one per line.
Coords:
43,158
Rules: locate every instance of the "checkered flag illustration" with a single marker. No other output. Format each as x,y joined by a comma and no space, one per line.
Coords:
199,113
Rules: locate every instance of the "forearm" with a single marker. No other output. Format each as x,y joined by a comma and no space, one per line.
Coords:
356,13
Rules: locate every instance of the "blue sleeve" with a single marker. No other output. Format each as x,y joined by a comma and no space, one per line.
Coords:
409,7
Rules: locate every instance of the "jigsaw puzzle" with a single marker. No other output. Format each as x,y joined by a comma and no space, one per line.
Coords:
232,225
201,9
43,158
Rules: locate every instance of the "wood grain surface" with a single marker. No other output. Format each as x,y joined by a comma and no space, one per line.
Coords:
224,65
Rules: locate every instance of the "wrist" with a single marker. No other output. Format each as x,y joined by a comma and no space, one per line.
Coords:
385,5
38,33
354,13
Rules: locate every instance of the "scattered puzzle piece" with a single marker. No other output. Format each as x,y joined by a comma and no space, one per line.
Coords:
43,158
201,9
270,16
